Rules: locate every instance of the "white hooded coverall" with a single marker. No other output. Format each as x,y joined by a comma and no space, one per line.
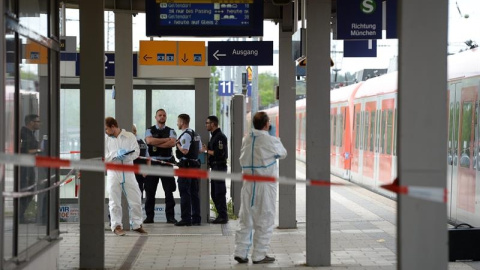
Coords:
258,156
125,140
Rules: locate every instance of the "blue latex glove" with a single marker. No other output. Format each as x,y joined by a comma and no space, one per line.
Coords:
121,154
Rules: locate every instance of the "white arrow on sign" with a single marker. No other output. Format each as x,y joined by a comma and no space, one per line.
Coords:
215,54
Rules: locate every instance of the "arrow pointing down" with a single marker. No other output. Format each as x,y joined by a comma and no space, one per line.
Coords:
184,59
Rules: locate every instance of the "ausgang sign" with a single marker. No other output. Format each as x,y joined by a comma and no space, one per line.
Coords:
240,53
359,19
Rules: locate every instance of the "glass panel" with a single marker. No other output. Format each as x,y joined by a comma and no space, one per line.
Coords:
304,123
9,134
372,129
334,130
69,124
174,102
109,103
466,134
33,15
383,122
139,113
357,128
389,131
33,122
331,129
340,130
366,122
395,126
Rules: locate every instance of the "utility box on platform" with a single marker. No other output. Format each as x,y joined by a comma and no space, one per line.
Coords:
464,243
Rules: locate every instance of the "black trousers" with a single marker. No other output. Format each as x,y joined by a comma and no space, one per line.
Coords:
218,191
141,182
169,186
189,199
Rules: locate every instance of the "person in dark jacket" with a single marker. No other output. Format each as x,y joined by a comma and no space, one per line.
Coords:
141,178
217,151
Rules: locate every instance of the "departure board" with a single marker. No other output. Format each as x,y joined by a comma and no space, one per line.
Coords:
220,18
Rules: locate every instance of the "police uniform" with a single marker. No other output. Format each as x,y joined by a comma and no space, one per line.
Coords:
218,162
168,183
143,153
189,187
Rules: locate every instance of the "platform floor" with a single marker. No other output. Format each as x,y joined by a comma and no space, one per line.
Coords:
363,237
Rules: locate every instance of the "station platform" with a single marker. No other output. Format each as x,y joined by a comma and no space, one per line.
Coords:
363,237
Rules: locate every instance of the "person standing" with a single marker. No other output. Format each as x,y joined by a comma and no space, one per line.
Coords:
28,145
142,145
258,156
160,140
217,152
188,146
121,147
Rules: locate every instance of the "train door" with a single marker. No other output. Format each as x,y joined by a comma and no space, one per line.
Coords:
386,140
368,143
452,147
340,140
465,195
356,138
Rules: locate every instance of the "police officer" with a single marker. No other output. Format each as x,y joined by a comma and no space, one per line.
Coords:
217,161
160,140
141,178
188,146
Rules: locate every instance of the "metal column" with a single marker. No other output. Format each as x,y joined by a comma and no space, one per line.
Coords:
124,84
201,113
237,108
92,110
287,203
422,133
318,131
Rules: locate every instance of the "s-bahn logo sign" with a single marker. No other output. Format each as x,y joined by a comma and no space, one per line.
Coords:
359,19
368,6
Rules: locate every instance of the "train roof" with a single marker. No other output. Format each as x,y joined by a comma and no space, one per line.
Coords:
344,93
379,85
465,64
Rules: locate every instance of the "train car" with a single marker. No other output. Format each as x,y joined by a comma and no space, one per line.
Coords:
363,124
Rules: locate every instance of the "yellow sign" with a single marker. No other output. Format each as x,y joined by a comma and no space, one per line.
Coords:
163,53
36,53
249,73
191,53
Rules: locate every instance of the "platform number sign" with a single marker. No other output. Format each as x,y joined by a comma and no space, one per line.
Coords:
225,88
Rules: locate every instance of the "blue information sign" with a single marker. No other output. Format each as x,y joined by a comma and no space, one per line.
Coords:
360,48
391,19
167,18
225,88
109,63
240,53
361,19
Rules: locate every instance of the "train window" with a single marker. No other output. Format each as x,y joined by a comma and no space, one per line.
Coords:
382,133
365,130
395,128
357,128
466,134
297,126
389,131
334,130
372,129
340,130
304,122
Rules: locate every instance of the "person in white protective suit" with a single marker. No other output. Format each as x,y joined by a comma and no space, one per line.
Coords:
259,154
121,147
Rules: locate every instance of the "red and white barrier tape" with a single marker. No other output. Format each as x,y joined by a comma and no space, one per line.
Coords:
434,194
426,193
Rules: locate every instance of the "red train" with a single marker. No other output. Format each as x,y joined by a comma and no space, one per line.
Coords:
363,124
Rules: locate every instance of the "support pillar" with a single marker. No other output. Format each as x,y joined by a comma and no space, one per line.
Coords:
92,111
422,132
318,132
286,73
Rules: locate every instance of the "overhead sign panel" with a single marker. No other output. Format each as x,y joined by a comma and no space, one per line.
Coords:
360,48
240,53
391,18
158,53
191,53
359,19
204,18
